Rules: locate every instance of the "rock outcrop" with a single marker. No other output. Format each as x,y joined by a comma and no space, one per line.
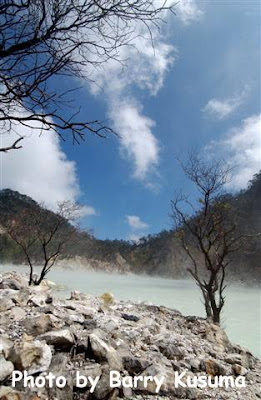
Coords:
90,336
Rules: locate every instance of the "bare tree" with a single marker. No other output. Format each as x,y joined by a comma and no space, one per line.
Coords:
42,235
207,230
41,39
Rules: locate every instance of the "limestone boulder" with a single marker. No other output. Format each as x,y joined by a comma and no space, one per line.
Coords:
34,357
135,365
39,324
104,352
60,339
235,358
17,313
7,393
218,337
5,346
103,389
6,304
40,296
6,368
107,298
216,368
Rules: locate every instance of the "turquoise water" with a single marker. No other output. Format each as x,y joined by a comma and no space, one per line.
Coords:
241,316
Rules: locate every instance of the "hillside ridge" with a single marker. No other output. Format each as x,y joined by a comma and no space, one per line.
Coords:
159,254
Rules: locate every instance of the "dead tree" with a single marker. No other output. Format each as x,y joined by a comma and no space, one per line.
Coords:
42,235
207,230
42,39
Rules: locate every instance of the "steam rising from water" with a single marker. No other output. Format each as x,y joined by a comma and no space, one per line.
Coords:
241,317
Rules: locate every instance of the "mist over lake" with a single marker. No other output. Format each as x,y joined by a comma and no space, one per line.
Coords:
240,318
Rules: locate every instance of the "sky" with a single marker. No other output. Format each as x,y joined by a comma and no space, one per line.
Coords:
197,88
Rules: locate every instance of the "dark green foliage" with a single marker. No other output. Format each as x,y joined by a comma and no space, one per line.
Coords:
9,251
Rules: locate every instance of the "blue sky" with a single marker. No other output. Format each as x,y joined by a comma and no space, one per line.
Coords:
200,88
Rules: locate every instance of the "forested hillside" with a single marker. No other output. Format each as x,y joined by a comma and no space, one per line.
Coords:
159,254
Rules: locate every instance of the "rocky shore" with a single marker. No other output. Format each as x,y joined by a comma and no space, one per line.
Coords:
91,337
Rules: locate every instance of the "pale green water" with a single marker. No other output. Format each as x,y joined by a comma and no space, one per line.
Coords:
241,316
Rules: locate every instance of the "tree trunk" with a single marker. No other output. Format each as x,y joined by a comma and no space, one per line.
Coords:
208,309
37,283
216,316
215,309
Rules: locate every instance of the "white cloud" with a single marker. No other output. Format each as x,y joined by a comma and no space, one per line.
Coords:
223,108
135,223
135,237
145,65
138,227
188,11
86,211
242,147
40,169
137,140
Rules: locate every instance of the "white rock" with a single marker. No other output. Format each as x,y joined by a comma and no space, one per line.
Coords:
103,351
75,318
5,345
39,295
62,338
6,368
35,357
17,313
5,304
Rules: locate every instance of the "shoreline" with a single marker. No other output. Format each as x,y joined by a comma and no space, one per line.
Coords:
240,317
96,335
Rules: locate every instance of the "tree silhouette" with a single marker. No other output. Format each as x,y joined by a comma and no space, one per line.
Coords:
42,235
42,39
207,230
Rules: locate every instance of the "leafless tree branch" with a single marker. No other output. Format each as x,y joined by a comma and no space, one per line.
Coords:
206,229
42,39
42,235
12,146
